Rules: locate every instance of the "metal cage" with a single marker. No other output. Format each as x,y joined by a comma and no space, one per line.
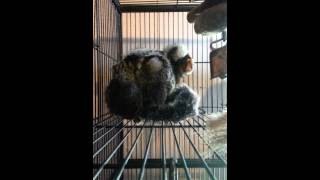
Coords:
123,149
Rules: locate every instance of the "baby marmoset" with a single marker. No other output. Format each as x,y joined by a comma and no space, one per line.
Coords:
154,75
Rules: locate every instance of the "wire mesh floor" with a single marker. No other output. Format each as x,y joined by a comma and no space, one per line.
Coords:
154,150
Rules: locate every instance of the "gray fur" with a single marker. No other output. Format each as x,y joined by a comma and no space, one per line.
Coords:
180,104
152,74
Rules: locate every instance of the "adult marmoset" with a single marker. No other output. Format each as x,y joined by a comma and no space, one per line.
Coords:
155,74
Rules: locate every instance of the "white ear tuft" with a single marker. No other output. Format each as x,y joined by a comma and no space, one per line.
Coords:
181,52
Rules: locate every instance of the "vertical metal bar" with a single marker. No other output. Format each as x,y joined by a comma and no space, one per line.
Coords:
130,35
95,64
155,153
120,42
127,34
98,56
178,39
102,44
114,48
144,36
208,72
173,37
149,30
159,35
217,88
130,171
168,29
94,57
154,30
120,171
222,104
197,152
140,19
178,24
178,27
135,30
103,49
185,167
145,157
194,139
197,87
172,168
135,46
161,133
202,84
187,38
212,84
101,56
193,81
163,154
109,43
202,79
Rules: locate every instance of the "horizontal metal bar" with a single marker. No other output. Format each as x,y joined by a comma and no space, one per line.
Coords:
157,163
156,8
162,1
200,62
158,126
158,1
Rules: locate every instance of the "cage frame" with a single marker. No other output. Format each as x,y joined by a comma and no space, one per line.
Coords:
102,122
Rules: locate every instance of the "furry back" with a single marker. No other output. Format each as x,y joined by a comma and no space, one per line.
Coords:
182,103
124,98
